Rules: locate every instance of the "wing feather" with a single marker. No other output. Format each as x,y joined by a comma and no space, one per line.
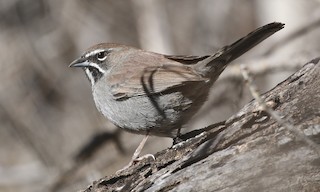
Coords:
144,79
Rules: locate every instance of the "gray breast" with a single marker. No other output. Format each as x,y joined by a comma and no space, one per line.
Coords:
158,115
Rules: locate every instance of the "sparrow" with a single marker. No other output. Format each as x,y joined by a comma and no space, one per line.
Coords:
150,93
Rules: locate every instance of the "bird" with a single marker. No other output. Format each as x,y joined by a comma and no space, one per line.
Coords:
149,93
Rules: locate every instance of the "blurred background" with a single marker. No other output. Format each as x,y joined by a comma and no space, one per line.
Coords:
47,114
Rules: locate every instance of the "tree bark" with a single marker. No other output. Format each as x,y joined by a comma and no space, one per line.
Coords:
248,152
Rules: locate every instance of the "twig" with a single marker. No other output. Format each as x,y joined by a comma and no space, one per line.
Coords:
247,77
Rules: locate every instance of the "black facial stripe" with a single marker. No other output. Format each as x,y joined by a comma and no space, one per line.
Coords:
96,74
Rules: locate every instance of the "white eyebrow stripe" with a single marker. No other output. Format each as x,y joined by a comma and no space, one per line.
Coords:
97,51
94,52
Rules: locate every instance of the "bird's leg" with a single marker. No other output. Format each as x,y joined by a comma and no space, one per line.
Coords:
135,158
137,152
177,138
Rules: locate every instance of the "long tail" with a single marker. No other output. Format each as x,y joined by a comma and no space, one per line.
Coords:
221,58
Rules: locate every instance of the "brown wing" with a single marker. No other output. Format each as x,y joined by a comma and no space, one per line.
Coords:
187,60
144,79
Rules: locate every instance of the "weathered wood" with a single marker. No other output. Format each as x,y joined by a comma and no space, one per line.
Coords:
248,152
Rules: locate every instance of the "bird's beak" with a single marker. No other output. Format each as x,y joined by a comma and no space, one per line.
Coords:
81,62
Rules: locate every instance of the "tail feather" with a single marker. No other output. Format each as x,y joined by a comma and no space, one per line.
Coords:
231,52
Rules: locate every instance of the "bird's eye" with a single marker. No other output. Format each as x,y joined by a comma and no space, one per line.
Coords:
101,56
